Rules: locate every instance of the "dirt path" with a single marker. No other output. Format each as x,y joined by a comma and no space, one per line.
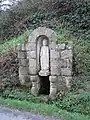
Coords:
11,114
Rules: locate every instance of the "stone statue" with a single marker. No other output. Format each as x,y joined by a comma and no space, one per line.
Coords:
44,59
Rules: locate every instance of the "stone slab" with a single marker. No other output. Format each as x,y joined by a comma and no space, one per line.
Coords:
55,62
52,46
23,47
31,47
44,73
19,47
53,79
22,55
63,63
54,54
31,38
32,62
60,46
25,80
32,54
66,72
53,93
35,78
23,70
69,45
28,54
55,70
66,54
66,63
23,62
32,67
69,63
53,85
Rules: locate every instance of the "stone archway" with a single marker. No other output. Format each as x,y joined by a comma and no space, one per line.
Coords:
34,45
52,36
35,39
60,62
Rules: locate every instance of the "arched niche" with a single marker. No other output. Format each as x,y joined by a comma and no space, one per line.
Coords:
38,48
35,40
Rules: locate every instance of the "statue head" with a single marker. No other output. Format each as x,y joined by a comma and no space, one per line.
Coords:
44,42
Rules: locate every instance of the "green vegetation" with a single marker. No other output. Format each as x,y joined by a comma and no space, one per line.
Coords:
70,20
5,47
79,103
42,108
73,15
75,105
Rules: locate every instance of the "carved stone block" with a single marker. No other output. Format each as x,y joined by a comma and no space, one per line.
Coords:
28,54
35,85
53,79
35,90
69,45
23,62
66,72
19,47
32,70
55,70
69,63
32,67
31,38
23,47
60,46
53,85
34,78
55,62
52,46
66,54
25,80
22,55
53,93
31,47
54,54
23,70
32,54
63,63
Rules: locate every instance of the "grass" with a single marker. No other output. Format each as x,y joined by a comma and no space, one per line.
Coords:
12,43
42,108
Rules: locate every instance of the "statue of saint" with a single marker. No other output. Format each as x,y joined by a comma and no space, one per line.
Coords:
44,59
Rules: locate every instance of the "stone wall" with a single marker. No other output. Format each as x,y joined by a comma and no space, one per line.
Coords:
66,57
24,76
60,63
60,67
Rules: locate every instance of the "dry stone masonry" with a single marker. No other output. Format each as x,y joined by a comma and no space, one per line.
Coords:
31,62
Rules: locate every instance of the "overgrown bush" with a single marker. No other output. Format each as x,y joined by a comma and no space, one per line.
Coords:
73,15
79,84
79,103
